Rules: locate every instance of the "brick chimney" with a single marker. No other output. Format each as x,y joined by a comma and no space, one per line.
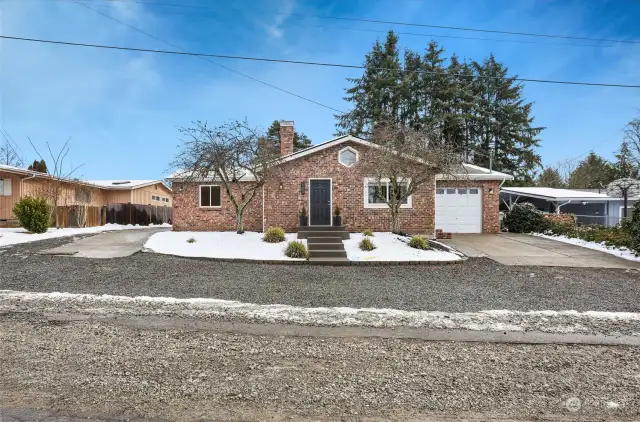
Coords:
286,137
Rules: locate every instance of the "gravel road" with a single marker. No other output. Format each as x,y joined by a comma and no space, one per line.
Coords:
478,284
109,371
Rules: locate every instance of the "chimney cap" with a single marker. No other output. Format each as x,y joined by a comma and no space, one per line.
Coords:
286,122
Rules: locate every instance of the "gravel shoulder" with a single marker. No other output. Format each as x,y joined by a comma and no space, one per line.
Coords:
478,284
109,371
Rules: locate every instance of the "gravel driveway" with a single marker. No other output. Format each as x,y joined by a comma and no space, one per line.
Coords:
108,371
478,284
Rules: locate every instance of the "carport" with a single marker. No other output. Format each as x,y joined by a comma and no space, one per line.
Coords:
589,207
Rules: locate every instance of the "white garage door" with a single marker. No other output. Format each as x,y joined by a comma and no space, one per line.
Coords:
459,210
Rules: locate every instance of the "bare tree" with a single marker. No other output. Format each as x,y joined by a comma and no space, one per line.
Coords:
8,154
84,197
632,137
404,159
234,154
53,188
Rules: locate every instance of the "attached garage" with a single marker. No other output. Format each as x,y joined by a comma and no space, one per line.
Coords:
459,210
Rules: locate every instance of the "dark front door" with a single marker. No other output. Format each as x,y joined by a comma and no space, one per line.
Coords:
320,202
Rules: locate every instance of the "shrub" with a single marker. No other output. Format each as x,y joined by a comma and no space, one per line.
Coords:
274,235
419,242
296,250
33,214
336,212
525,218
191,240
366,245
368,233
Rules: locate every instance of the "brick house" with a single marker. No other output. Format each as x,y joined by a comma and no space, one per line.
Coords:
332,174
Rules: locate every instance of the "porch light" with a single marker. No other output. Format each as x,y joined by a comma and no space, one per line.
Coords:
302,187
280,185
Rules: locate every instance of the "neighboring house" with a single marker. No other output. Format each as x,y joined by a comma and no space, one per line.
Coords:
589,206
16,183
330,175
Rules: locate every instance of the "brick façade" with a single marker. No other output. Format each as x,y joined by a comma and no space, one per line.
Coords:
283,199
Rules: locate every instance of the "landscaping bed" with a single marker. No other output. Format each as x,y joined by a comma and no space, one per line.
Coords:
223,245
393,247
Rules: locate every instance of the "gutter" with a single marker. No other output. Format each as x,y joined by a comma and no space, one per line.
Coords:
33,176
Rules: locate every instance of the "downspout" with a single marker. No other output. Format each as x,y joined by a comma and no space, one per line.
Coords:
33,176
263,209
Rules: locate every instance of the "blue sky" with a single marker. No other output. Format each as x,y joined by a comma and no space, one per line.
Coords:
122,109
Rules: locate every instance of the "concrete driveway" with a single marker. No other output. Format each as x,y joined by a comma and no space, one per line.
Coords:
522,249
114,244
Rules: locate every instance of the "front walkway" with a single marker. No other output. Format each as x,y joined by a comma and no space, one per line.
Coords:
522,249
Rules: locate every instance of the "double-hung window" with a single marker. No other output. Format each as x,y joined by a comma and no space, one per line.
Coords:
210,196
377,193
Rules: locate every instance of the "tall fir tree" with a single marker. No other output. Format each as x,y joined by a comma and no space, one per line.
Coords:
300,140
594,172
477,107
625,166
550,178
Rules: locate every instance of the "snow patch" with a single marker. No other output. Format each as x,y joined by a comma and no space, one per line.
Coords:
392,247
624,253
489,320
13,236
228,245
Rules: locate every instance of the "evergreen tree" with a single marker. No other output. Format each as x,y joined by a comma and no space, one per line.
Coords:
593,172
300,140
624,166
39,166
477,107
550,178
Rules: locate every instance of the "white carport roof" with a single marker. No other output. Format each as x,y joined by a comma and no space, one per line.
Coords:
553,194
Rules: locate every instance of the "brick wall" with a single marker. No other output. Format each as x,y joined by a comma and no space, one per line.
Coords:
490,200
284,199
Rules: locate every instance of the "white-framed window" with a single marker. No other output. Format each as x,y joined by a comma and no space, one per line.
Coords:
5,187
376,195
210,196
348,157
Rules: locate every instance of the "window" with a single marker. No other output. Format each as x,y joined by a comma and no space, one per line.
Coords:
348,157
451,191
462,191
210,196
377,194
440,191
473,191
5,187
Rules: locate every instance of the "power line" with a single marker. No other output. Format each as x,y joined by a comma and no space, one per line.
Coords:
185,52
399,23
417,34
301,62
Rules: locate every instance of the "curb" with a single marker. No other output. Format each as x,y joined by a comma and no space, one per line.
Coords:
307,262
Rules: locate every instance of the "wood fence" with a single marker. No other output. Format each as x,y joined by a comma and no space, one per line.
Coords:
137,214
69,216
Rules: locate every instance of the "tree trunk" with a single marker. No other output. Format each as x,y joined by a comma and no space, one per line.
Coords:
239,222
395,221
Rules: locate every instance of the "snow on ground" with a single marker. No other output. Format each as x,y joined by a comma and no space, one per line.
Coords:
493,320
613,250
228,245
19,235
391,247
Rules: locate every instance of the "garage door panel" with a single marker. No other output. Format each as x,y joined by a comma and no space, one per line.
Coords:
459,210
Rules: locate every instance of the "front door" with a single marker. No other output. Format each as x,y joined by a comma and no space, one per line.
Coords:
320,202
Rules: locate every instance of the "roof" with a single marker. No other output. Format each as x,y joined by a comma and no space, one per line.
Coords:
468,171
553,194
104,184
122,183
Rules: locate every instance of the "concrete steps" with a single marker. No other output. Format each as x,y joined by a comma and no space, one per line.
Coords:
325,244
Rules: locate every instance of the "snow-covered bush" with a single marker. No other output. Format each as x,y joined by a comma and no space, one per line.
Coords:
296,250
274,235
525,218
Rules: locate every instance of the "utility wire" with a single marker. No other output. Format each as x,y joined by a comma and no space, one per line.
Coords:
399,23
183,52
301,62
